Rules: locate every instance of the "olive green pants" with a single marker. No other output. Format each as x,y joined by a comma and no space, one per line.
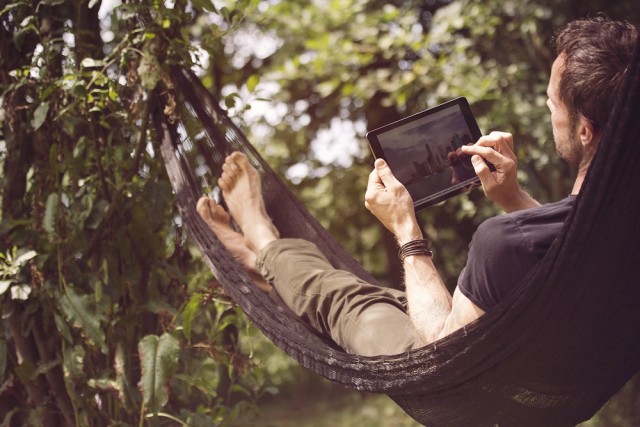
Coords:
361,318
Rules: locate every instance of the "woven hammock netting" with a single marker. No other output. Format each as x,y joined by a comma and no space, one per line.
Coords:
551,354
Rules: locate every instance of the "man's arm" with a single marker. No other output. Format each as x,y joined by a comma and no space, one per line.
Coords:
433,311
429,301
500,185
463,312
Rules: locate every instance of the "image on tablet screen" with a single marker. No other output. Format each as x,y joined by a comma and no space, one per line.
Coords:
425,154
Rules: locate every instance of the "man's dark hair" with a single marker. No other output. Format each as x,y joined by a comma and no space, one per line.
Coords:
597,52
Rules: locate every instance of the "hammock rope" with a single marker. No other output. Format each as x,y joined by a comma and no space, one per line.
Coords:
550,354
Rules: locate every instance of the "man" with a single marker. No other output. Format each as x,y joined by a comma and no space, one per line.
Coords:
593,56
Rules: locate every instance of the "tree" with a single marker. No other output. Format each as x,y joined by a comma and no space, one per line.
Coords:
107,315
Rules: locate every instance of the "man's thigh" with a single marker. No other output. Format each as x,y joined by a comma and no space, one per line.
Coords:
362,318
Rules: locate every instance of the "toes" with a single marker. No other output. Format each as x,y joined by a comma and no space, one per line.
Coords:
235,166
242,162
226,168
234,170
239,163
202,207
231,171
211,212
218,213
224,182
237,157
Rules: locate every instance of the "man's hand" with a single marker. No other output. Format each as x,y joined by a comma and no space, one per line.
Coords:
500,185
391,203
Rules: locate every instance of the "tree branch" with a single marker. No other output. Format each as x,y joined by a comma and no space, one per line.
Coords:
54,375
118,198
28,354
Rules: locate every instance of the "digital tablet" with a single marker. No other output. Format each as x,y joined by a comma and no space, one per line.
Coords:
423,151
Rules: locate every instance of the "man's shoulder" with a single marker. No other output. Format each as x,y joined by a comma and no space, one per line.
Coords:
526,226
498,235
548,212
506,247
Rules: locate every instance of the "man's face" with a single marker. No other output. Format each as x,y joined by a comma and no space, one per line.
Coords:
565,134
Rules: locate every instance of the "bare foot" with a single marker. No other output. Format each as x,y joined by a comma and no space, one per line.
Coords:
218,220
242,192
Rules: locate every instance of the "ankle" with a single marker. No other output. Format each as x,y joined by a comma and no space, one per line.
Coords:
260,235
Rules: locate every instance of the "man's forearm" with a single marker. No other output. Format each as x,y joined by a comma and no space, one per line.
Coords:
428,298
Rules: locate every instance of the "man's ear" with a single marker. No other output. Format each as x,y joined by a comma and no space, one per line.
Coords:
587,133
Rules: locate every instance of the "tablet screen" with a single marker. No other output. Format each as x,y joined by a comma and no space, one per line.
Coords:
423,151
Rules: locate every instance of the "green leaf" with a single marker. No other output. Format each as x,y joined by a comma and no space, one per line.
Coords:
126,11
8,7
22,259
73,363
119,364
80,311
205,5
79,90
189,313
224,11
91,63
62,327
51,213
149,71
113,95
158,358
40,115
231,99
252,82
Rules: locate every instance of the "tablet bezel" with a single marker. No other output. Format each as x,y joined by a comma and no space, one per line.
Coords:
472,127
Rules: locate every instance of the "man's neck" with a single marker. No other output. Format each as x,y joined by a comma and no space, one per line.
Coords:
588,154
582,174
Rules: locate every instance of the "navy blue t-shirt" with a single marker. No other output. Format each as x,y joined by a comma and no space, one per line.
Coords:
505,248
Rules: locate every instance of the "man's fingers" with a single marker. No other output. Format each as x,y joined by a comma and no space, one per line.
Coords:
374,185
497,140
381,179
489,154
384,172
481,168
374,179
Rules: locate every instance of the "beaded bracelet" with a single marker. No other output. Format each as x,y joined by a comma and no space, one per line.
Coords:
414,247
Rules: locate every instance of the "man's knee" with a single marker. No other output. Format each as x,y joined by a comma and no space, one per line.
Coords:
379,329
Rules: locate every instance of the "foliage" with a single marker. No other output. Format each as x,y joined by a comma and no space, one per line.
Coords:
369,66
340,68
110,317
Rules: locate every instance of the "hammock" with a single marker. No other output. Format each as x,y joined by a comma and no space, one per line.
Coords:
549,355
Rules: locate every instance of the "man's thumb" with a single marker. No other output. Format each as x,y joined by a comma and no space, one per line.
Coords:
384,172
479,165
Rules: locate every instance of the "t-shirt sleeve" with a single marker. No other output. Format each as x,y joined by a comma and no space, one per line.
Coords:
500,255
